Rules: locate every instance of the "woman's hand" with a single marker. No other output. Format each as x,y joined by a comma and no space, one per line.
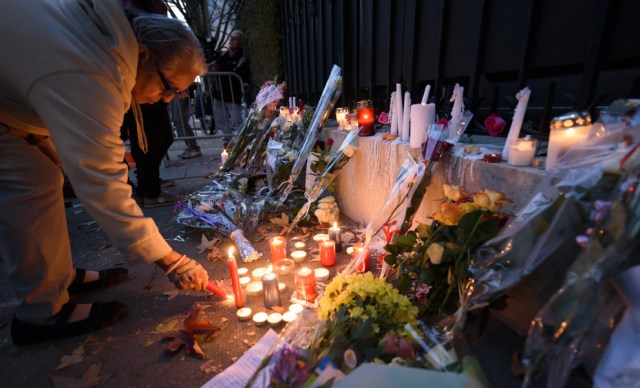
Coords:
184,272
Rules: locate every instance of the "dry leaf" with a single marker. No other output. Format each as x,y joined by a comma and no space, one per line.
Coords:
223,320
234,359
301,237
91,378
149,343
315,259
282,221
104,246
186,338
206,244
251,333
249,343
76,356
210,367
163,328
171,294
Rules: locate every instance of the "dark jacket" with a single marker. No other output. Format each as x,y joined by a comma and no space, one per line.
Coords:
232,91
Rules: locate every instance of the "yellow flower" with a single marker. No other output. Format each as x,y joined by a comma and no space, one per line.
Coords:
449,214
435,252
454,193
490,200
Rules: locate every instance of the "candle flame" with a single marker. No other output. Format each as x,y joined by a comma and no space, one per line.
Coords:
231,252
335,225
269,268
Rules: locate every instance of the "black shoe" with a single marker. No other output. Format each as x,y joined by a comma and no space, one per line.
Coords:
106,277
101,314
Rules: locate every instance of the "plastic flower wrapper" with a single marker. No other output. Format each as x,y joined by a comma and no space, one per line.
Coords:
323,178
254,126
210,214
282,152
559,335
552,217
330,94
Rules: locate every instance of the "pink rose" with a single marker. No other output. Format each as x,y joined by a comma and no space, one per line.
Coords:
383,118
329,142
495,124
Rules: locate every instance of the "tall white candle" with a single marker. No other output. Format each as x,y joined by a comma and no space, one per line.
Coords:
394,115
398,107
419,114
425,96
431,119
516,124
457,110
406,117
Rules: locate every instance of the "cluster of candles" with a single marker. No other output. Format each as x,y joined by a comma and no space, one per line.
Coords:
346,119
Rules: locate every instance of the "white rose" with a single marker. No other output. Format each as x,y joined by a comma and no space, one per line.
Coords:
349,150
435,252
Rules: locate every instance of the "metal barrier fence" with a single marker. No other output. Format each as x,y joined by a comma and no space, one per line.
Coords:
200,115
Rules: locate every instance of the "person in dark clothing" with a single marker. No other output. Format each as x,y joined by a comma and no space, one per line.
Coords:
227,108
180,113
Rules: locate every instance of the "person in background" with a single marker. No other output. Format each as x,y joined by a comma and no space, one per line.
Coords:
64,90
180,109
227,108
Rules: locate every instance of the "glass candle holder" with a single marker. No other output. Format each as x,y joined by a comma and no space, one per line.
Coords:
366,118
278,248
328,253
335,235
362,263
522,152
566,131
341,114
305,281
271,292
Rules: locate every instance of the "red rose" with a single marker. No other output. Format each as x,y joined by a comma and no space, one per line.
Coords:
495,124
329,142
444,121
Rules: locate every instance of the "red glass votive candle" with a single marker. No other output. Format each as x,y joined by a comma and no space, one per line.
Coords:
365,118
305,280
278,248
492,158
328,253
362,265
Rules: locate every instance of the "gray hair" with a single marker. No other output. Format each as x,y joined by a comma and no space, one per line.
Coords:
241,34
172,46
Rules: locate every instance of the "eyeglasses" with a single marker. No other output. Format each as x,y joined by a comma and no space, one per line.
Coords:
168,91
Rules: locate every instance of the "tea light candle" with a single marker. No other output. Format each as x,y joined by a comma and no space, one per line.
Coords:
320,237
284,266
243,271
260,318
282,286
254,288
258,273
521,152
299,256
224,156
334,234
305,281
299,245
321,274
296,308
278,248
235,281
362,264
271,291
274,319
244,314
244,281
289,316
328,253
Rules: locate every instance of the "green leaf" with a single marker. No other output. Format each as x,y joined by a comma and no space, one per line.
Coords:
427,276
486,231
390,259
393,249
423,231
467,224
404,283
406,240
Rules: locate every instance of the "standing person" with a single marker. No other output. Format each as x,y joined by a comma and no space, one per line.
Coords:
227,109
64,89
180,111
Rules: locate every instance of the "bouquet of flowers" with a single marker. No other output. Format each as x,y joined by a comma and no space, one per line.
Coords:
283,149
330,94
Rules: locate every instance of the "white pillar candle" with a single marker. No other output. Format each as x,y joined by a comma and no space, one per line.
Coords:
425,96
406,117
392,113
398,111
516,123
224,156
418,124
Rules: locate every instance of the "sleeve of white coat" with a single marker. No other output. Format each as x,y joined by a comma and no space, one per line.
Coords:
84,112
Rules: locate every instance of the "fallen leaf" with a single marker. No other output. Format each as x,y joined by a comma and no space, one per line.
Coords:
149,343
234,359
171,294
210,367
76,356
282,221
223,320
315,259
186,338
206,244
249,343
251,333
90,378
301,237
163,328
104,246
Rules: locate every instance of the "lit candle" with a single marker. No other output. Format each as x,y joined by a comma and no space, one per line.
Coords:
321,274
341,114
244,280
305,281
522,152
224,156
284,266
334,234
282,286
260,318
299,245
320,237
274,319
258,273
362,256
254,288
516,123
566,131
278,248
289,316
352,118
328,253
217,290
366,118
284,114
235,281
244,314
296,308
299,256
270,288
243,271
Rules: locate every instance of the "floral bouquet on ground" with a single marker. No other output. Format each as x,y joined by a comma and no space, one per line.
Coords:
325,169
330,94
216,209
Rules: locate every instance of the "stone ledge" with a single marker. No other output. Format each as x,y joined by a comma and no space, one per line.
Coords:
365,182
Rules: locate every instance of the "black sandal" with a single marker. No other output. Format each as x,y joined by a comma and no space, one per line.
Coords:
101,314
106,278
